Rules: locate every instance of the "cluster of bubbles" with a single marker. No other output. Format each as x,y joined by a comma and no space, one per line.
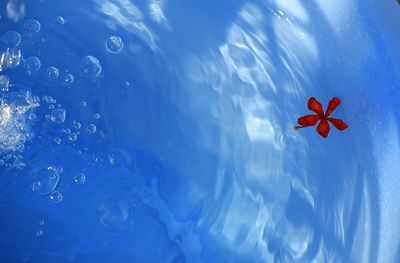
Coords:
45,181
39,232
16,109
14,130
10,59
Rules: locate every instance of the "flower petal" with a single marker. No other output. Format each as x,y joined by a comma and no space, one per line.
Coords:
315,106
338,123
323,128
308,120
332,106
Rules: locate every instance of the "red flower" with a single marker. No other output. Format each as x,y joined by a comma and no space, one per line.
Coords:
323,126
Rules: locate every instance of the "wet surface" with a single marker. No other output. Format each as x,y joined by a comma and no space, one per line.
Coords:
162,131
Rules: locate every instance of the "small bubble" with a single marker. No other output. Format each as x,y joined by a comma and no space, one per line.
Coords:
52,73
29,136
127,84
84,104
31,64
80,179
57,141
58,115
41,222
97,116
91,128
56,197
91,67
49,99
32,25
51,107
114,44
101,134
112,212
10,39
59,20
68,79
77,125
72,137
32,116
39,233
112,160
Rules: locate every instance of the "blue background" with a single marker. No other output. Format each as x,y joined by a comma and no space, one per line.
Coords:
196,160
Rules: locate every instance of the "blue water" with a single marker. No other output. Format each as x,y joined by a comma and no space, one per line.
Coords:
162,131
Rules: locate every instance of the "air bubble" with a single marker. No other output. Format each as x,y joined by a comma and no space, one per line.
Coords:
59,20
57,140
112,212
91,128
15,10
31,64
114,44
56,197
39,233
52,73
60,169
91,67
80,179
58,115
49,99
44,180
68,79
77,125
73,137
32,25
97,116
84,104
10,39
32,116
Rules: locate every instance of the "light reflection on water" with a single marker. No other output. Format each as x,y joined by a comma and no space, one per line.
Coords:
196,159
